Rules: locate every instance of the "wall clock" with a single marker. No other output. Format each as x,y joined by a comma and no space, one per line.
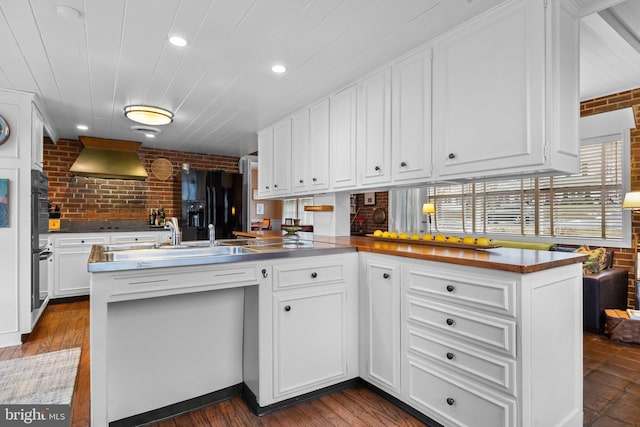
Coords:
4,130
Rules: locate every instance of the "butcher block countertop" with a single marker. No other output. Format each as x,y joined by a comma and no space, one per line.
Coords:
507,259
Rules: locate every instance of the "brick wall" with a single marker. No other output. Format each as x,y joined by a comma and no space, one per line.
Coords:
366,212
624,258
84,199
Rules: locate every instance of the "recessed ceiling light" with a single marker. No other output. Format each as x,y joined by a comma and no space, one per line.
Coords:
82,127
149,132
177,41
278,69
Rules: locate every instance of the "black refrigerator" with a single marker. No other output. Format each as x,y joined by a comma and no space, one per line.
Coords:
211,197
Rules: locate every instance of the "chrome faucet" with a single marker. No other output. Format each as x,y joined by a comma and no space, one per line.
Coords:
176,236
212,235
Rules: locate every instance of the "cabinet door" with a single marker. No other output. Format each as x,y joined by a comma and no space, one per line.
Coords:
309,339
382,325
374,129
343,139
282,157
265,162
70,264
319,145
489,88
300,150
411,117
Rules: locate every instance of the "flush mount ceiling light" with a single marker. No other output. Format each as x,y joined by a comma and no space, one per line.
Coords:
147,115
278,68
177,41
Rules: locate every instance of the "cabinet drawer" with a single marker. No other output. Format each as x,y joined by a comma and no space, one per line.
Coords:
485,367
289,276
142,238
80,241
479,292
457,402
133,283
491,332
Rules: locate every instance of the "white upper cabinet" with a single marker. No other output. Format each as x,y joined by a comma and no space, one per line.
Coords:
411,117
274,160
319,146
265,162
494,83
282,157
343,139
374,129
300,151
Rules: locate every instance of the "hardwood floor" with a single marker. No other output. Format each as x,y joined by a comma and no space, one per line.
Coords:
611,385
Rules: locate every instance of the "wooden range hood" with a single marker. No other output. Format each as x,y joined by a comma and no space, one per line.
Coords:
109,158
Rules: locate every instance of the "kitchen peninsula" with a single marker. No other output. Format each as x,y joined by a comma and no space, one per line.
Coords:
456,336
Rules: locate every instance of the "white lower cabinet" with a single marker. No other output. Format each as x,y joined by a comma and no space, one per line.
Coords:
309,339
380,324
71,253
478,347
307,326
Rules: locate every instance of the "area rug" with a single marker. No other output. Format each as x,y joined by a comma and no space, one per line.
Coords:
47,378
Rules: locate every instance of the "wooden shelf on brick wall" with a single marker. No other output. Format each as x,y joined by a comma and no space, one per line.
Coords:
319,208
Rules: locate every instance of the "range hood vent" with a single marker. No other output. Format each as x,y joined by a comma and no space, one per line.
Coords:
109,158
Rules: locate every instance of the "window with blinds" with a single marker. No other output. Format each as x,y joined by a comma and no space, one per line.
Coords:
587,204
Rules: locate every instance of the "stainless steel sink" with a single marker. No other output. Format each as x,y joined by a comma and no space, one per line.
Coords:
169,252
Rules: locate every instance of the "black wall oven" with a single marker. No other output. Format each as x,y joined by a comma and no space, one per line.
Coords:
39,229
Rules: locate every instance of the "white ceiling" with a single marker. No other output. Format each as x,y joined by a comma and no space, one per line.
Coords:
220,87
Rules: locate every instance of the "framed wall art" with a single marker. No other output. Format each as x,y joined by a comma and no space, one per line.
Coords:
4,203
369,199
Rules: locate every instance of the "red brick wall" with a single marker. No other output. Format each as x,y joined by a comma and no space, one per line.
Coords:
366,212
624,258
83,199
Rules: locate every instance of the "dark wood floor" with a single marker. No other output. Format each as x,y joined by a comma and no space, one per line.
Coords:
611,385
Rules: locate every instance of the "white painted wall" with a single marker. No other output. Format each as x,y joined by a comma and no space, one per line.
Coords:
17,155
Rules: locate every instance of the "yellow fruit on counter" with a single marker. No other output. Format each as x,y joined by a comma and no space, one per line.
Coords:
393,235
427,237
385,234
453,239
404,236
468,240
415,236
377,233
483,241
440,238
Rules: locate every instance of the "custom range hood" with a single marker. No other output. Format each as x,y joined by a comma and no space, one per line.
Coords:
109,158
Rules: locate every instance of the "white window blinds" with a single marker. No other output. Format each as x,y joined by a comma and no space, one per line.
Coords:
587,204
